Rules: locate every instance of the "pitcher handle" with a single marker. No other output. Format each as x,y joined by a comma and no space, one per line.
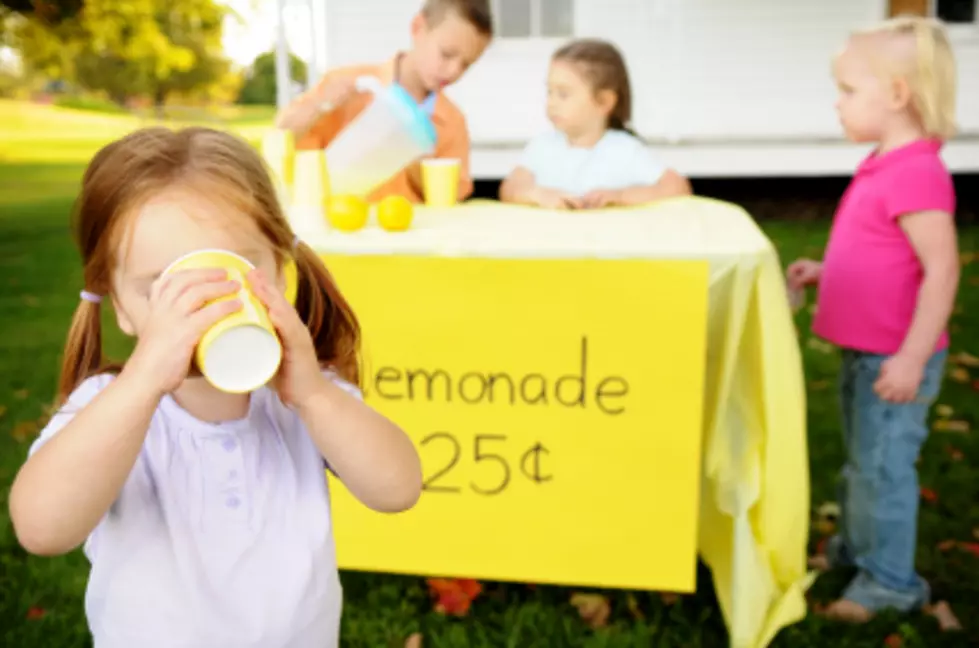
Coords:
368,83
364,83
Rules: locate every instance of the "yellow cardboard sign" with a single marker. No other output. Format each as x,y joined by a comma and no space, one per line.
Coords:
556,406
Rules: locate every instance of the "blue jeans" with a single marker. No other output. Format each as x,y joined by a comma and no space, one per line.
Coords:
878,486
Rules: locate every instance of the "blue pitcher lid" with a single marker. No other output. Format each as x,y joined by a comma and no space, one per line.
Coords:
419,125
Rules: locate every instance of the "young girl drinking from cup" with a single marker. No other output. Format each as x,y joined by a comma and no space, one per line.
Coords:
205,514
592,159
887,285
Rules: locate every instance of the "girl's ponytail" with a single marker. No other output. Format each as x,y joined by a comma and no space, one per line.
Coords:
83,348
329,318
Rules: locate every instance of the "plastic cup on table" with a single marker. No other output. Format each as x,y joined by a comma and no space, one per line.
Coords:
440,181
310,193
278,150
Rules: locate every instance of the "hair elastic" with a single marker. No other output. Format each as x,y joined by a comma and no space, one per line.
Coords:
90,297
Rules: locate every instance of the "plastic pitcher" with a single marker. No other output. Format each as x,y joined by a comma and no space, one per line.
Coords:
388,135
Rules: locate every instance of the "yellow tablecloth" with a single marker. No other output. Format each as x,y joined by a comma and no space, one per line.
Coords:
754,511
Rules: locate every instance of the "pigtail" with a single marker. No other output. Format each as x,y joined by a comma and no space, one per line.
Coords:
329,318
924,101
930,71
935,100
83,348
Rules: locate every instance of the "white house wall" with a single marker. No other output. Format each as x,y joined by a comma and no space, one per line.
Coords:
716,82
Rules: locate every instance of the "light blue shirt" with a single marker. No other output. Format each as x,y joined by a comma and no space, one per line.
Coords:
618,161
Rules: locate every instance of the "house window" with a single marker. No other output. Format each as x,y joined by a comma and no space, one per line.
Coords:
534,18
952,12
955,12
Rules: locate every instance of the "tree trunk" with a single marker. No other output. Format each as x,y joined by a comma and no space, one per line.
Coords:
160,101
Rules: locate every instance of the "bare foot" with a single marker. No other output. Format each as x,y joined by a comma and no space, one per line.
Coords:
942,612
819,562
847,611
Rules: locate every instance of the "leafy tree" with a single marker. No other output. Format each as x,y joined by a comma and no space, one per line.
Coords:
260,86
152,47
50,11
132,47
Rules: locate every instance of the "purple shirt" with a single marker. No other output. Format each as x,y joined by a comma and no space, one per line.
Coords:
221,536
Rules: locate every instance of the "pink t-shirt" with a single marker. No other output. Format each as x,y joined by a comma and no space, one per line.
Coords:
871,274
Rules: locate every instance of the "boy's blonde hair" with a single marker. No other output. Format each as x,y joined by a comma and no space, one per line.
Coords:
921,54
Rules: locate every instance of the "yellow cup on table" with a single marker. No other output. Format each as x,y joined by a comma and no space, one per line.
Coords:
242,351
440,181
279,149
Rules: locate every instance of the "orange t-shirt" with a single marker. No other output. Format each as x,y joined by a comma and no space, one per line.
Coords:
451,134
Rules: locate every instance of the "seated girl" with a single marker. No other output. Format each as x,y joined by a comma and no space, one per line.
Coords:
592,159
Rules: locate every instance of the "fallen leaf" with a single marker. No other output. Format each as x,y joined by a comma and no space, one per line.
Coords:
946,545
818,345
893,641
31,300
942,612
594,609
454,595
944,411
975,533
954,453
975,385
821,546
414,641
974,281
827,516
965,258
965,359
971,547
946,425
819,385
669,598
830,510
929,495
24,431
35,613
21,394
959,375
633,605
3,410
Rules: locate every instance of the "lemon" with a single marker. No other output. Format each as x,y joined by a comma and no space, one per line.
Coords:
394,213
347,213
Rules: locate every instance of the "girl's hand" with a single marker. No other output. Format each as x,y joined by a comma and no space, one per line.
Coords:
554,199
899,379
179,314
803,272
602,198
300,374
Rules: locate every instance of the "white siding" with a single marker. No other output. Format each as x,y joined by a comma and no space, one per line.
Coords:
703,71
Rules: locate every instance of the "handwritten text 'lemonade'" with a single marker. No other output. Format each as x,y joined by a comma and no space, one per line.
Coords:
434,385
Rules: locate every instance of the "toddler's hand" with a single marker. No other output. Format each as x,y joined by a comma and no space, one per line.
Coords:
899,379
300,375
803,272
601,198
179,314
554,199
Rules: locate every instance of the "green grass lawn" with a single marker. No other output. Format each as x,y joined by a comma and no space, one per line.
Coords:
41,599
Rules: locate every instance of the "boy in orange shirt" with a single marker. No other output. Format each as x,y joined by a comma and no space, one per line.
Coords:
447,37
